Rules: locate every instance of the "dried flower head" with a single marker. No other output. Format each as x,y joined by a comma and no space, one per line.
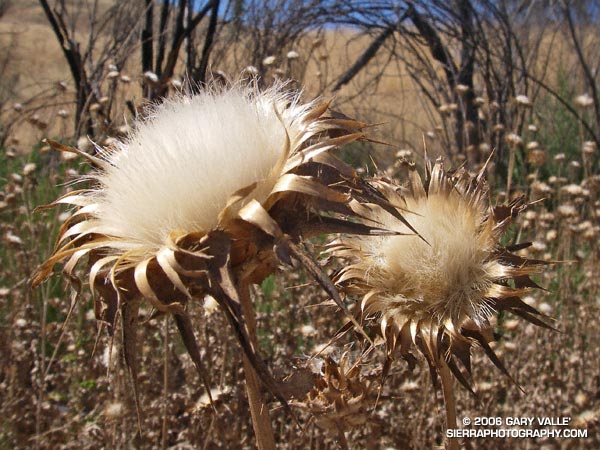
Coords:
438,290
514,140
589,148
523,100
462,89
537,157
572,189
448,108
584,100
342,398
150,77
269,61
251,70
210,193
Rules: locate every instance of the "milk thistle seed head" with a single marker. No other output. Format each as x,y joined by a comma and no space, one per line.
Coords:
438,290
210,192
179,169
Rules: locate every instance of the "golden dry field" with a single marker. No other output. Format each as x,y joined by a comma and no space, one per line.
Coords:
446,321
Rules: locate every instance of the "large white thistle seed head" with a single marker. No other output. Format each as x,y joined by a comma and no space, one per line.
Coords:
438,289
177,170
218,160
207,195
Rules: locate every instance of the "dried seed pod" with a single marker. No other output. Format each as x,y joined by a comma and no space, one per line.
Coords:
150,77
462,89
341,399
448,108
269,60
251,70
514,140
537,157
588,148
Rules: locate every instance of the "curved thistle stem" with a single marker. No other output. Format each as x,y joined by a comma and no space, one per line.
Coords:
259,410
449,400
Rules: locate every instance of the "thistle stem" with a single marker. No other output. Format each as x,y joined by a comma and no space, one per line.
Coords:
449,401
259,410
511,168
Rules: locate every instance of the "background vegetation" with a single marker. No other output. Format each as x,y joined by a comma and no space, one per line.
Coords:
460,78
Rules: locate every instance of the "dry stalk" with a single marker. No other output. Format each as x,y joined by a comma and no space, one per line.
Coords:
259,410
449,401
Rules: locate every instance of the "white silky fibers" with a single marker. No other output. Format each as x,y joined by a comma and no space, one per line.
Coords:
179,167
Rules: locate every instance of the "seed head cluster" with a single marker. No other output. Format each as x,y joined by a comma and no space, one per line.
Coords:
213,192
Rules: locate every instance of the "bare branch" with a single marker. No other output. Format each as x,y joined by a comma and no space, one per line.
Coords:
200,71
364,58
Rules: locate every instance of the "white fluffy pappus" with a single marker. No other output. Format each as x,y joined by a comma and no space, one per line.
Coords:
177,170
446,271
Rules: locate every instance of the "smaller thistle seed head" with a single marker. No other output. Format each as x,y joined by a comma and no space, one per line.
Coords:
462,89
438,289
514,140
151,77
269,60
589,148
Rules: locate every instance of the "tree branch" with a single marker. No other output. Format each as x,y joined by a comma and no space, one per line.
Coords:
200,71
178,39
162,37
147,38
364,58
591,81
434,42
